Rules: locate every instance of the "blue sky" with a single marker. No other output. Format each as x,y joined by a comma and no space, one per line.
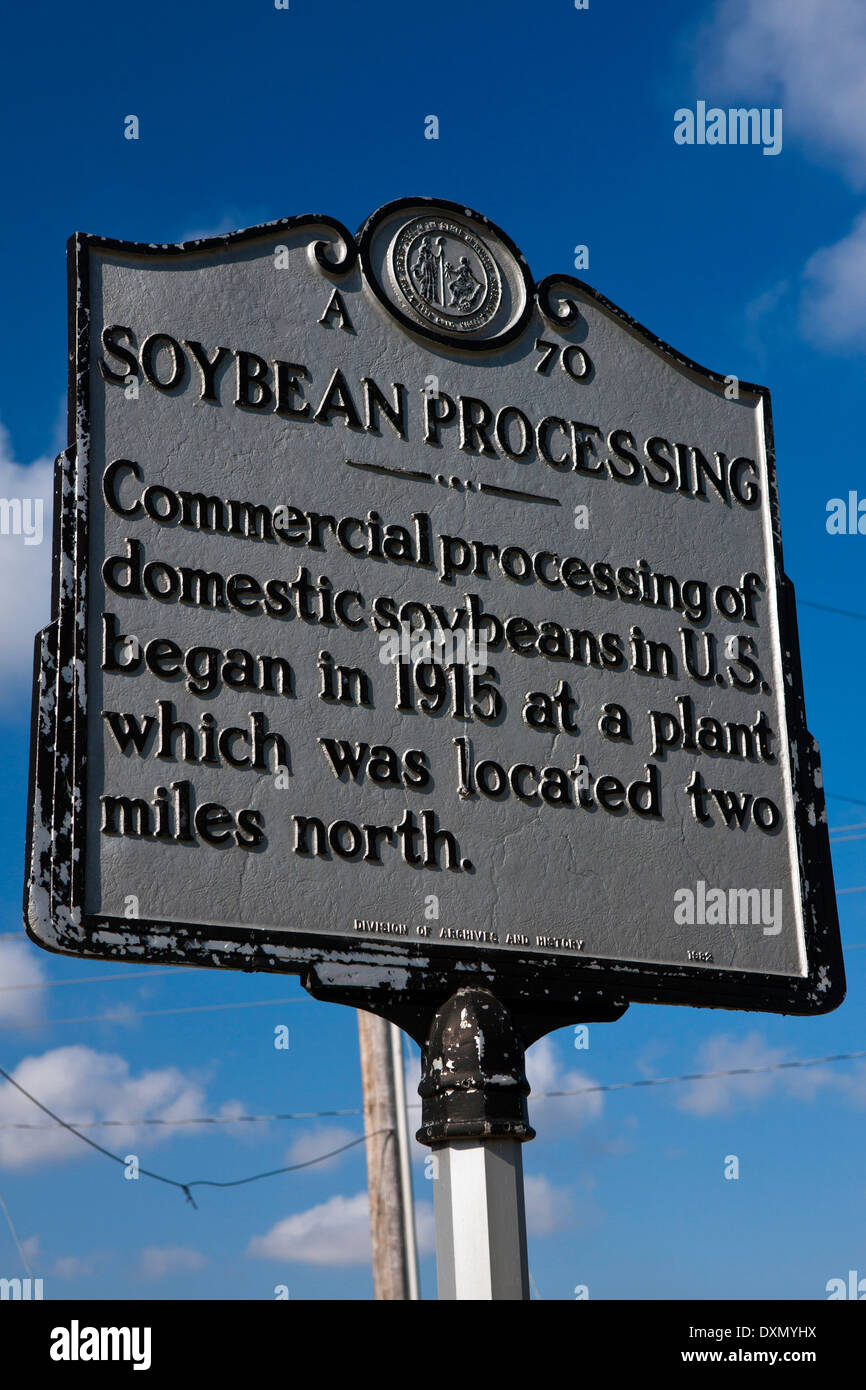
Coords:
558,124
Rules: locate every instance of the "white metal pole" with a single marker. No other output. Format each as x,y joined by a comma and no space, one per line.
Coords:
480,1220
473,1116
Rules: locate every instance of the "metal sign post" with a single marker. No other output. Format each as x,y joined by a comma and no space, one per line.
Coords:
474,1117
418,626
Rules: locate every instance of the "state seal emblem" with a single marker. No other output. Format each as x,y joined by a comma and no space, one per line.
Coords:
446,274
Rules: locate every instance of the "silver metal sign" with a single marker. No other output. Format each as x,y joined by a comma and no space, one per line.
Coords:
413,624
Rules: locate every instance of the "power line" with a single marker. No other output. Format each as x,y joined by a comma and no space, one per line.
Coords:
708,1075
825,608
172,1182
21,1252
149,1013
193,1120
293,1168
88,980
538,1095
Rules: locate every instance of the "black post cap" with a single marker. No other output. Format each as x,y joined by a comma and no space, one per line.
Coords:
473,1083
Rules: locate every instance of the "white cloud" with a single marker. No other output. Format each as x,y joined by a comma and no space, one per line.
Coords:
809,56
726,1052
155,1262
833,303
336,1232
81,1084
425,1229
71,1267
228,223
246,1134
851,1082
758,309
548,1208
770,318
26,495
321,1140
546,1072
30,1246
720,1095
21,975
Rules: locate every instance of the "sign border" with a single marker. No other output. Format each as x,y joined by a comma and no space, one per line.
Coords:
394,978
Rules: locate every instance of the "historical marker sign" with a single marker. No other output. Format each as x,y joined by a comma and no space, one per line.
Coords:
416,624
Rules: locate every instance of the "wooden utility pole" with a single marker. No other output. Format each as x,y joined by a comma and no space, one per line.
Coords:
388,1177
